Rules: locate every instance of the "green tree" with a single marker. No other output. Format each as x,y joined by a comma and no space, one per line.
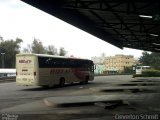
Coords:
145,58
9,48
51,50
152,60
28,49
155,60
37,47
128,70
62,52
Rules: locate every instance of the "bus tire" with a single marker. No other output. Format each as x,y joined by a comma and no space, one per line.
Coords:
85,81
45,86
62,82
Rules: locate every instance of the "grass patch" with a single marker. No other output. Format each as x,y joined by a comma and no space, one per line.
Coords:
148,73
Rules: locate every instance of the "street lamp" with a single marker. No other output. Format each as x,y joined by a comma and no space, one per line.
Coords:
3,66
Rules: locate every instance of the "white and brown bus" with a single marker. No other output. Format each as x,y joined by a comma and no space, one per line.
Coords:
49,70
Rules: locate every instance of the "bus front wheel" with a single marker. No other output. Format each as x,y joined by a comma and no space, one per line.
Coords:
85,81
62,82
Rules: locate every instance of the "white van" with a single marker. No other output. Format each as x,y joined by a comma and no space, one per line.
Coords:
139,69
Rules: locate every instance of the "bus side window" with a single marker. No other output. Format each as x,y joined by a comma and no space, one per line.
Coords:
48,62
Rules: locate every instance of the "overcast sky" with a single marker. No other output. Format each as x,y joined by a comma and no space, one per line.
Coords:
18,19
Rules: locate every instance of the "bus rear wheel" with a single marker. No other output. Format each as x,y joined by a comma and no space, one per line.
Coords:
85,81
62,82
47,86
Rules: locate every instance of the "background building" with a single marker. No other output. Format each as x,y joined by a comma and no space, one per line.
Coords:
100,68
99,62
118,63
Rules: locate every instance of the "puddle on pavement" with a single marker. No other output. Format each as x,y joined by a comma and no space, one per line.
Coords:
144,81
112,104
137,84
130,90
104,104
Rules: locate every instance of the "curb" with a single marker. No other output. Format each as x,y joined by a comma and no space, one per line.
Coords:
49,104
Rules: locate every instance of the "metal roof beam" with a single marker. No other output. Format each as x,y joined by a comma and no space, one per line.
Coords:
120,19
85,5
146,5
104,22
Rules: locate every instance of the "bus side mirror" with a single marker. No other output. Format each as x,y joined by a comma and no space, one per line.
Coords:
94,67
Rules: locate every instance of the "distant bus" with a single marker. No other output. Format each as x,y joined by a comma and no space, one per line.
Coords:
139,69
47,70
7,73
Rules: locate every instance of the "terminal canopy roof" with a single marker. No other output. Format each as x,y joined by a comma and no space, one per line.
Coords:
123,23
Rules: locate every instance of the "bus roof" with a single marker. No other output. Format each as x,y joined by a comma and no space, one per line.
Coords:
46,55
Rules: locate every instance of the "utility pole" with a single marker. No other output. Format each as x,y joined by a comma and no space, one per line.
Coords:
3,65
1,38
2,52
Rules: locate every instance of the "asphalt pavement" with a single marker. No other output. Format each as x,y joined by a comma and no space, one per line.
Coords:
103,98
